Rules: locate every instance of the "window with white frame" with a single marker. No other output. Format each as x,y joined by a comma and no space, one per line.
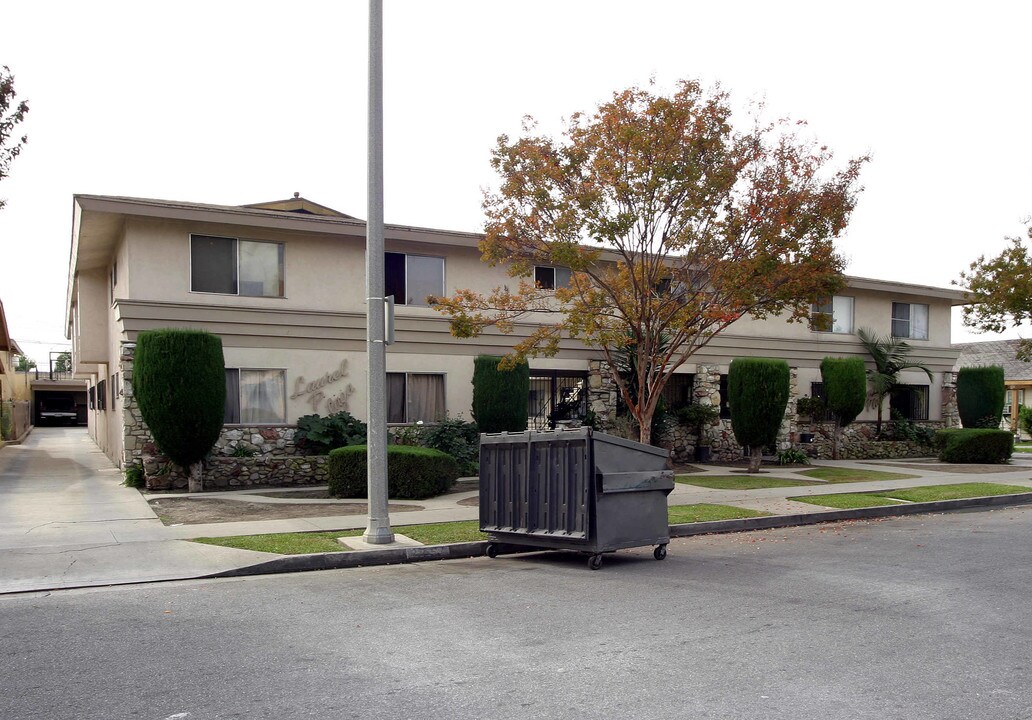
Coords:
910,321
412,278
834,315
550,278
414,397
236,267
255,396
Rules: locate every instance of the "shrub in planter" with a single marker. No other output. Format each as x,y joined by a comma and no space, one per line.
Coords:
317,435
980,396
758,391
179,380
845,388
454,436
413,473
974,445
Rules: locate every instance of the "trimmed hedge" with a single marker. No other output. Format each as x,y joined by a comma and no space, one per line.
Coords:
974,445
500,397
413,473
980,396
758,390
845,387
179,380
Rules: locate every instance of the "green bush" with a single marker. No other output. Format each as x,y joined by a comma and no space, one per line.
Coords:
500,397
179,380
793,456
413,473
905,429
1025,419
134,476
974,445
813,408
845,387
758,395
454,436
980,396
317,435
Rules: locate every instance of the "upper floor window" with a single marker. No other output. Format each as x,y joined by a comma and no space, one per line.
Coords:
236,267
255,396
834,314
550,278
412,278
910,320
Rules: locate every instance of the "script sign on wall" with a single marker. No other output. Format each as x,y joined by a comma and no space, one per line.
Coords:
316,391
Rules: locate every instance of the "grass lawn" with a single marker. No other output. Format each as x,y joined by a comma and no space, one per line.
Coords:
707,512
955,492
846,501
849,475
436,533
1023,448
740,482
319,542
930,493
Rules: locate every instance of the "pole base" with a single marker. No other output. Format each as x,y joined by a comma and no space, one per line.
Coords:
378,535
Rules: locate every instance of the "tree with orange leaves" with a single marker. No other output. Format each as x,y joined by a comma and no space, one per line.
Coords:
673,224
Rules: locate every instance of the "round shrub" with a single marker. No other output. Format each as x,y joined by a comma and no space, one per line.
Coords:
179,380
980,396
413,473
500,397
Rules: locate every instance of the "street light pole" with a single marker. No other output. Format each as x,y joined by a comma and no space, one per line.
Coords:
378,530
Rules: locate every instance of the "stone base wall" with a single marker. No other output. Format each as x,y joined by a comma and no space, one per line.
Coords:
228,473
270,441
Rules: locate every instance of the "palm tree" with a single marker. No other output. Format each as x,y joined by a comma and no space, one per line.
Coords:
890,358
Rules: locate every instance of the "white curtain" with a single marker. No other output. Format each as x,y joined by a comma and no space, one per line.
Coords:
919,322
262,396
425,398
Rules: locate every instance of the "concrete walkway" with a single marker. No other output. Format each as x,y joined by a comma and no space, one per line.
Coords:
66,521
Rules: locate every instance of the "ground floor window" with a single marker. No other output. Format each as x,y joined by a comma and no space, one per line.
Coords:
679,391
415,397
255,396
725,398
556,397
911,401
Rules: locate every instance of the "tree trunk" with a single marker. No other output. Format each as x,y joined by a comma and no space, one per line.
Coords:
877,426
196,483
835,441
645,430
755,458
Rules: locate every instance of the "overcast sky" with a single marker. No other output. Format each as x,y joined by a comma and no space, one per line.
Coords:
242,102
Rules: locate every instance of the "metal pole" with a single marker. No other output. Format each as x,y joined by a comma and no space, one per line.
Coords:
378,531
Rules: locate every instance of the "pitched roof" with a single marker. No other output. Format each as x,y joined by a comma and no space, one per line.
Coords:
300,205
995,352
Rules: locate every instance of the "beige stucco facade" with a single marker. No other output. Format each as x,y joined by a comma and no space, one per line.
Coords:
131,271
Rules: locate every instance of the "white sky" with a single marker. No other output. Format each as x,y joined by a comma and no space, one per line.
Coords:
242,102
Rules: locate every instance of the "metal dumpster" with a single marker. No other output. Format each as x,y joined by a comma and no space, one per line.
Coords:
573,490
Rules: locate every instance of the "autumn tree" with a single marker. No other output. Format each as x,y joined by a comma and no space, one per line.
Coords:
673,225
1000,291
12,112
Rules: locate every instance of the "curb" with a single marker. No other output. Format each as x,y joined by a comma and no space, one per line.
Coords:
455,551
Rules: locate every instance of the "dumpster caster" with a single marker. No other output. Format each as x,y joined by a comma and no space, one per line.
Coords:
492,550
595,562
660,552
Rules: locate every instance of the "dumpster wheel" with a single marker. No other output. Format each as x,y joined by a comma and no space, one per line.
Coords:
595,561
492,550
660,552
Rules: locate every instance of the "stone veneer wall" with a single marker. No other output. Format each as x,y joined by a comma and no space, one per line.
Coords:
226,473
857,442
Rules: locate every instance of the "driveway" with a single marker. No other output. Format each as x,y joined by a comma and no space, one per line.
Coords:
66,520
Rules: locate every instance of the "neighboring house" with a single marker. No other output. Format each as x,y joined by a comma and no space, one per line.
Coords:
8,351
282,284
1017,374
14,412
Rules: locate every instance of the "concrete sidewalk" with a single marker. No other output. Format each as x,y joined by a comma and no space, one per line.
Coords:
66,521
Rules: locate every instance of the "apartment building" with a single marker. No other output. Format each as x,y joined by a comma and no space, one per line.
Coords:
282,283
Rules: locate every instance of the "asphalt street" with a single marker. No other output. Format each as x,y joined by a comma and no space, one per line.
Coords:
914,617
